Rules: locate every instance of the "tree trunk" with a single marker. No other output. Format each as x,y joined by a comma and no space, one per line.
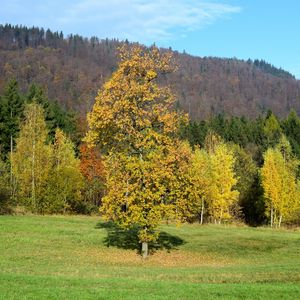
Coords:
144,250
221,216
126,195
11,171
271,216
280,219
65,204
202,211
33,177
11,149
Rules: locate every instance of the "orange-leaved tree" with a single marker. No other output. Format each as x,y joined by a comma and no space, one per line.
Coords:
92,168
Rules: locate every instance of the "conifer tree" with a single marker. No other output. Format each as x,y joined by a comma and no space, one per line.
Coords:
291,127
55,116
272,130
11,112
247,174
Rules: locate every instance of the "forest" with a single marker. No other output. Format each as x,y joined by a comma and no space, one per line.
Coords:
71,69
141,159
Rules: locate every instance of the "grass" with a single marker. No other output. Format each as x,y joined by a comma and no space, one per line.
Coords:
77,257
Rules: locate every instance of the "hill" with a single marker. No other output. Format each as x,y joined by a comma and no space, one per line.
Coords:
76,257
72,69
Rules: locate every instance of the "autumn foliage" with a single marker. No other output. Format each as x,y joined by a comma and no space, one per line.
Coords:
142,162
134,124
91,163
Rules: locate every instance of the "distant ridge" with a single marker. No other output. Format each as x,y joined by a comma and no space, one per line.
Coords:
71,69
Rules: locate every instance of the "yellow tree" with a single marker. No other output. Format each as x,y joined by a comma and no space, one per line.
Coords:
221,194
31,161
295,216
279,183
199,173
66,180
4,187
136,193
133,123
132,113
177,183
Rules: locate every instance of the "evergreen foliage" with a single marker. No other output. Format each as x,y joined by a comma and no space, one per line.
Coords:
12,104
269,68
11,113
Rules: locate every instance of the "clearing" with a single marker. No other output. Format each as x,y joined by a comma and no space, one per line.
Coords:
79,257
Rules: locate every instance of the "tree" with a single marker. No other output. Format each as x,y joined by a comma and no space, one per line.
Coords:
55,116
65,181
137,193
92,168
11,112
199,173
211,142
4,188
133,123
250,192
279,182
221,194
272,130
31,161
177,181
291,127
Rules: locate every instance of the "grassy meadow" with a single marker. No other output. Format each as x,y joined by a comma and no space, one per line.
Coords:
78,257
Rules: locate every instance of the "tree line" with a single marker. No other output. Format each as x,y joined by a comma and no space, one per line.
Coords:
142,161
40,145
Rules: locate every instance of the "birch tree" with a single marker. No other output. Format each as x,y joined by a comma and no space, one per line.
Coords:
221,194
31,161
279,183
66,181
200,182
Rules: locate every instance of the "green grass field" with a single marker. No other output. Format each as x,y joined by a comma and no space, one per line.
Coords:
76,257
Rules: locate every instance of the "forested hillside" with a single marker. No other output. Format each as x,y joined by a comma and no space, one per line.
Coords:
71,70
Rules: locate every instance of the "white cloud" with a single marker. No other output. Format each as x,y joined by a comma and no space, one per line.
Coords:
144,21
137,20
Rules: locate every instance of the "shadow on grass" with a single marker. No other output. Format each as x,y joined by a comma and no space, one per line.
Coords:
128,238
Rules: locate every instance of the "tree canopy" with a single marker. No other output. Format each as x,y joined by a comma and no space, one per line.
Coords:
135,125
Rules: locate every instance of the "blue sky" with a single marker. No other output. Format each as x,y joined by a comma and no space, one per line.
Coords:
263,29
